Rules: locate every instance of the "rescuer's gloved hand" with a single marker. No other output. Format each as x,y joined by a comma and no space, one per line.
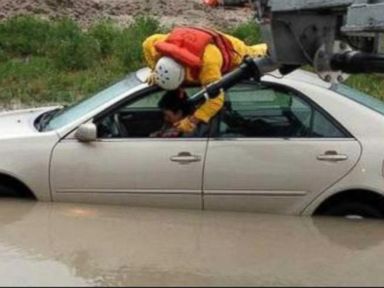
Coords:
151,79
187,125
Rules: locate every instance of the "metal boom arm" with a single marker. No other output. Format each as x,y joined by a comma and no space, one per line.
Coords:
333,36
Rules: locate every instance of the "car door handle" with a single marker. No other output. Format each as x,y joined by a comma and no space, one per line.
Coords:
332,156
185,158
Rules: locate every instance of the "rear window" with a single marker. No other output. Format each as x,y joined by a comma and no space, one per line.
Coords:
360,97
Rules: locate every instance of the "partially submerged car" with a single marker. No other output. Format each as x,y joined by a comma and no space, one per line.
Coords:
293,145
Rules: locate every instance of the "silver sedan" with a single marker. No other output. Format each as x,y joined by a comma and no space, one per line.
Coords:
292,145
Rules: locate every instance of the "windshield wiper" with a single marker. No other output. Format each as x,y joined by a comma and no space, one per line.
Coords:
44,120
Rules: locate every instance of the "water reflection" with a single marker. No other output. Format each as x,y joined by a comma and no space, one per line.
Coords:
353,235
110,245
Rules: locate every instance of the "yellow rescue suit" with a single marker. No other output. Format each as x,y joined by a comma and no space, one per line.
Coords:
210,70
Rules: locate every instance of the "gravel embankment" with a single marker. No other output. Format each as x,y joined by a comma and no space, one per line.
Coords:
88,11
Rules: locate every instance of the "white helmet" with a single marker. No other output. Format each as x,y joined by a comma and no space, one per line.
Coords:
169,74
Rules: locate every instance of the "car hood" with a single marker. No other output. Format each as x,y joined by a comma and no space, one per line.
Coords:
20,122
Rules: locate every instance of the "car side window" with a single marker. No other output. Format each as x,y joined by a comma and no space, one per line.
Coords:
322,127
258,111
138,119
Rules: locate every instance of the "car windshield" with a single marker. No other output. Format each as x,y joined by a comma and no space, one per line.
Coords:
79,109
360,97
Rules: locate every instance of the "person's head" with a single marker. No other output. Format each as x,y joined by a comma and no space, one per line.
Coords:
169,74
175,106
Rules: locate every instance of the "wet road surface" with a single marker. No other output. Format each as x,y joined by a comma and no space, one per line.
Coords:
73,244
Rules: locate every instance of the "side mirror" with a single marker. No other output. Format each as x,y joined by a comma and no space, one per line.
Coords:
86,133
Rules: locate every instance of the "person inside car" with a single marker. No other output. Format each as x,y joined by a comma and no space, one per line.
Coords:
175,107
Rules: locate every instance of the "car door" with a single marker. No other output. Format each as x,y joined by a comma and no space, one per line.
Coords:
274,151
130,167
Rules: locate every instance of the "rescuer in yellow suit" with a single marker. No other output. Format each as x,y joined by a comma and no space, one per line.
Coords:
195,56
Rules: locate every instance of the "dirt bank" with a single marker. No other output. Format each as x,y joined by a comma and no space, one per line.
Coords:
87,11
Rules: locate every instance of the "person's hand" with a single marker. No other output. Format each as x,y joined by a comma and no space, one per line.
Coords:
187,125
151,79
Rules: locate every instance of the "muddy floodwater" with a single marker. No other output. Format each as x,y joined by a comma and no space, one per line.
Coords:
73,244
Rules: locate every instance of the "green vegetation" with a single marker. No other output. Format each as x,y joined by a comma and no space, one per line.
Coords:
371,84
247,31
57,62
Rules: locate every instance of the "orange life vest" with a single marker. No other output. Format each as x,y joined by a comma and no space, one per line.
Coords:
187,45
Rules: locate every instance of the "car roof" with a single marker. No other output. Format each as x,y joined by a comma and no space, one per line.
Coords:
298,75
